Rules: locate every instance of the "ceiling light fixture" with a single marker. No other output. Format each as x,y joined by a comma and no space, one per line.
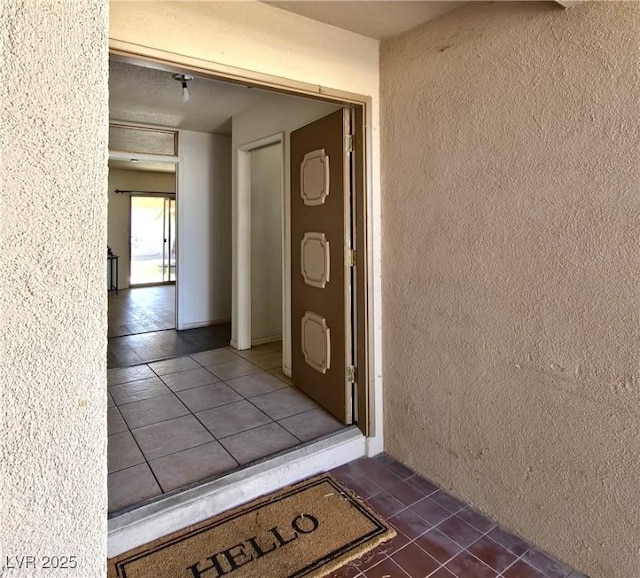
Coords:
183,79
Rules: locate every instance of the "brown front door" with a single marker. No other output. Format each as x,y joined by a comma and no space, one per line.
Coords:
320,276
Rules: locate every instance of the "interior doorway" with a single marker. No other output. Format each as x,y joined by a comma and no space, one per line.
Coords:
152,240
267,231
261,257
142,233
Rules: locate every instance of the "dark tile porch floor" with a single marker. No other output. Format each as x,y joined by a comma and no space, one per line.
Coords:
439,536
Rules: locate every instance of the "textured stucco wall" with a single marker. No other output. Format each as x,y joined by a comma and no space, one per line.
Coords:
53,236
511,268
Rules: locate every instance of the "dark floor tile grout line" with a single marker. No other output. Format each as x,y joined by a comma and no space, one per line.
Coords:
215,438
200,422
133,380
239,357
218,440
177,452
190,356
284,385
154,348
175,393
146,461
273,419
166,420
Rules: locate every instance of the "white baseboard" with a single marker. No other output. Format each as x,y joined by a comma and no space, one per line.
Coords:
197,324
257,341
268,339
174,512
374,445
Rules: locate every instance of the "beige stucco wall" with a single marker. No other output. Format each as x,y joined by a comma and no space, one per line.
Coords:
53,492
511,268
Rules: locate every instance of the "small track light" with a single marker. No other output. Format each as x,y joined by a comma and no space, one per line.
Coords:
184,79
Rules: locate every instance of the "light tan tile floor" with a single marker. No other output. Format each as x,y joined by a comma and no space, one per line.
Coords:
176,422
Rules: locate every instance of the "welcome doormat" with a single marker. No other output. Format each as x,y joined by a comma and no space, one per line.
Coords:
309,530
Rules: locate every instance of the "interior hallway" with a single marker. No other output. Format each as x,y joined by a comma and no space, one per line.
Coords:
180,421
142,310
142,328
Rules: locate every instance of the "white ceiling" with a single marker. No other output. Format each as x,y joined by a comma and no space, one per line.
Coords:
376,19
150,96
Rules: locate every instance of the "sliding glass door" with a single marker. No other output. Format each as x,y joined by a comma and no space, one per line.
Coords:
169,264
153,240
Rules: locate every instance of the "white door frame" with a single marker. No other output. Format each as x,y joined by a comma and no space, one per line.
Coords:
241,251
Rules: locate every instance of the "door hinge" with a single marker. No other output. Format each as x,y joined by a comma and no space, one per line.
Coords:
348,143
351,373
350,258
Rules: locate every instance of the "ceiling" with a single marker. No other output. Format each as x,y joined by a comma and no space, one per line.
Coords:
376,19
147,95
150,96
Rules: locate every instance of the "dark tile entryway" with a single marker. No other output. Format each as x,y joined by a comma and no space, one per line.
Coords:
439,536
149,347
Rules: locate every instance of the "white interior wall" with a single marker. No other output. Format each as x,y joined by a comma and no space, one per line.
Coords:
204,229
266,243
119,222
274,116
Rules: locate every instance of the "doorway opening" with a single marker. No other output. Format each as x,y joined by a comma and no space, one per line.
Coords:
208,412
267,230
142,235
262,267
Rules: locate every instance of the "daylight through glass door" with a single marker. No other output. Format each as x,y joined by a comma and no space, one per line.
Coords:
153,242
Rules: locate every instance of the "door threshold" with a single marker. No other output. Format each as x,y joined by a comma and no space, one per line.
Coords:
177,511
